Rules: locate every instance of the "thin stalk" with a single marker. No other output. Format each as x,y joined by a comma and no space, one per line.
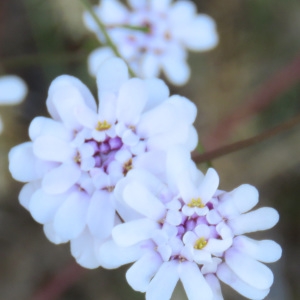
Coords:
102,27
210,155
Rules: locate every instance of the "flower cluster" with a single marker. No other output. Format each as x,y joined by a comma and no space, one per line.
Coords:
152,36
190,230
75,159
116,178
118,182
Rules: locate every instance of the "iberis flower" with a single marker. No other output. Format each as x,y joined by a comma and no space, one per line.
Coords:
13,90
75,159
153,35
188,230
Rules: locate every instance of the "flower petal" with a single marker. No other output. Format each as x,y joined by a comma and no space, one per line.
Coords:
249,270
52,148
143,201
229,277
266,250
130,233
43,206
111,75
142,271
260,219
157,90
194,283
83,250
64,94
27,191
13,90
52,235
215,286
112,256
176,70
70,219
45,126
131,101
101,214
60,179
163,283
97,57
22,163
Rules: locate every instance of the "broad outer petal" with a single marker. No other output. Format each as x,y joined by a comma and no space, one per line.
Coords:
101,214
141,272
27,191
83,250
140,199
112,256
176,70
130,233
249,270
163,283
193,281
229,277
266,250
22,163
214,284
261,219
111,75
70,219
131,101
60,179
97,57
70,88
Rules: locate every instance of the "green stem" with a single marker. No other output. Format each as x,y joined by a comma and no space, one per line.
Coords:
102,27
224,150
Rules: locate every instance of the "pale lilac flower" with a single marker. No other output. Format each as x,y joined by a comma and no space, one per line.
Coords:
13,90
173,28
188,230
75,159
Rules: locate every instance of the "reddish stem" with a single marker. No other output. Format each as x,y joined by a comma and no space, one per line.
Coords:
260,100
60,283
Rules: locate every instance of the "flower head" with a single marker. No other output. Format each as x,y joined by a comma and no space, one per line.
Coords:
75,159
190,230
153,36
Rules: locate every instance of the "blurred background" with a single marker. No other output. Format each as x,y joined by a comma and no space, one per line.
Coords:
40,40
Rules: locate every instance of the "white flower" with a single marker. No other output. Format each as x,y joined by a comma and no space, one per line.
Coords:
13,90
190,230
172,29
75,159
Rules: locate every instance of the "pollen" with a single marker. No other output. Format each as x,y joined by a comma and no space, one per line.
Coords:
200,243
127,166
196,202
77,158
103,126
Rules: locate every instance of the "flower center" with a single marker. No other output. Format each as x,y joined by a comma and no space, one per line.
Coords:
196,202
200,243
101,126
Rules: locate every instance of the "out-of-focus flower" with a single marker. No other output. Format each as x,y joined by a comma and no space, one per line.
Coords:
75,159
13,90
189,230
171,29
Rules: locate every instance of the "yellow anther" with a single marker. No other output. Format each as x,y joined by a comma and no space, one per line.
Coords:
200,243
196,202
77,158
102,125
127,166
